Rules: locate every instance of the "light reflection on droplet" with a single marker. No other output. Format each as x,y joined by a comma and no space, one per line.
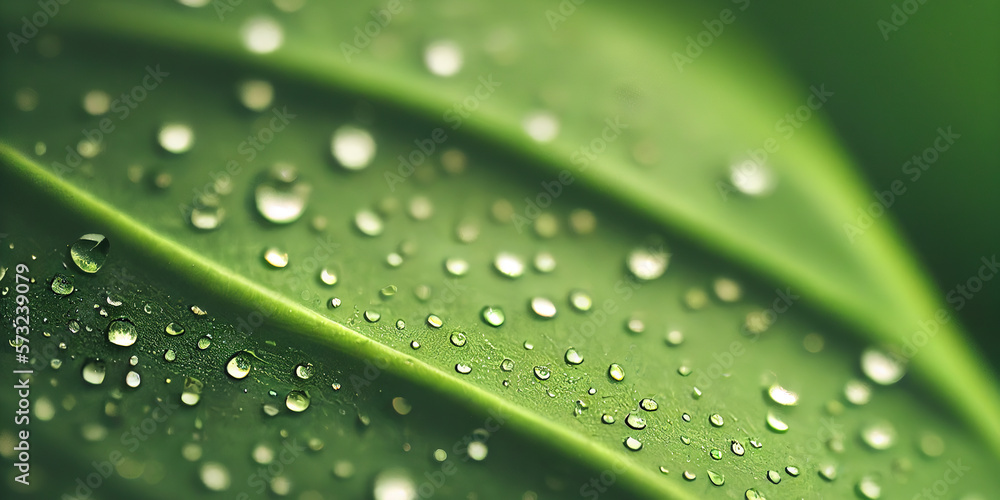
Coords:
262,35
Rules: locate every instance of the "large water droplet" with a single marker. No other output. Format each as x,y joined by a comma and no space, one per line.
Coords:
275,257
782,396
542,372
132,379
279,200
352,147
89,252
880,367
648,404
509,265
635,421
262,35
716,478
394,484
647,263
493,315
368,222
775,423
543,307
443,58
192,391
857,392
238,366
122,332
94,371
175,138
297,401
773,476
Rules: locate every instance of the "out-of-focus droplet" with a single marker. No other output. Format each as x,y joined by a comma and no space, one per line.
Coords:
880,367
176,138
542,126
89,252
443,58
647,263
352,147
256,95
262,35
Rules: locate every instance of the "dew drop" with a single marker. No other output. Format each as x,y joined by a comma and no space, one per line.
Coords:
616,372
509,265
443,58
879,435
96,102
477,450
685,440
204,342
545,262
256,95
607,419
715,454
543,307
931,445
493,315
716,478
580,300
792,470
684,370
635,421
280,201
647,263
304,371
215,476
368,222
328,277
828,472
648,404
275,257
297,401
352,147
869,488
633,444
122,332
857,392
169,355
458,339
89,252
775,423
773,476
394,484
334,303
880,367
262,35
782,396
62,284
716,420
372,316
674,338
434,321
542,372
690,476
132,379
755,443
695,299
456,266
414,345
94,371
207,214
507,364
686,417
752,178
737,448
388,291
174,329
238,366
541,126
192,391
421,208
753,494
462,368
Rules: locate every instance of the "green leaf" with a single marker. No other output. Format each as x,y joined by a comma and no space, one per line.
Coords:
644,149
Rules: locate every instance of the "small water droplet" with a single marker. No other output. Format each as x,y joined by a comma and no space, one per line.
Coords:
207,214
477,450
205,342
753,494
580,300
543,307
443,58
684,370
368,222
685,417
434,321
328,277
297,401
647,263
869,488
544,262
280,200
192,391
648,404
881,368
132,379
372,316
414,344
262,35
528,345
931,445
775,423
542,372
752,178
782,396
458,339
773,476
685,440
633,444
690,476
635,421
169,355
421,208
352,147
174,329
89,252
400,324
275,257
462,368
215,476
616,372
880,435
792,470
175,138
493,315
635,325
716,420
509,265
857,392
607,419
122,332
334,303
674,338
541,126
238,366
94,371
456,266
256,95
755,443
828,472
737,448
62,284
388,291
304,370
716,478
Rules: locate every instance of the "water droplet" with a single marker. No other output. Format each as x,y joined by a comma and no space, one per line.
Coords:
394,484
542,372
528,345
813,342
674,338
509,265
456,266
493,315
857,392
132,379
328,277
633,444
458,339
96,102
580,300
690,476
684,370
931,445
607,419
507,364
544,262
352,147
753,494
205,342
881,368
463,368
869,488
685,417
647,263
775,423
388,291
175,138
372,316
415,345
62,284
792,470
304,370
334,303
685,440
443,58
89,252
73,326
279,200
541,126
879,435
828,472
543,307
477,450
773,476
737,448
122,332
297,401
56,363
752,178
192,391
275,257
616,372
239,365
207,214
174,329
169,355
368,222
262,35
421,208
782,396
434,321
635,421
635,325
94,371
755,443
716,420
716,478
648,404
394,259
